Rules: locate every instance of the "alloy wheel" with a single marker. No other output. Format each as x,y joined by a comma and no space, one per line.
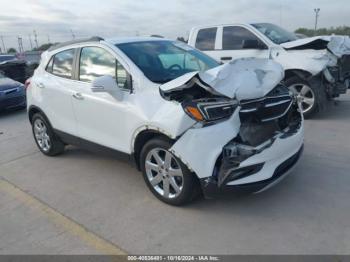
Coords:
41,135
164,173
305,95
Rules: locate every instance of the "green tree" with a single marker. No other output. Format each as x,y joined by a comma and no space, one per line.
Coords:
11,50
340,30
44,47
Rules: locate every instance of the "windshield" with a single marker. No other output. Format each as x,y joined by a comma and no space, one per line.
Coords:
163,61
275,33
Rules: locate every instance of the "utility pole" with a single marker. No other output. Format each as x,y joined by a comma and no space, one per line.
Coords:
316,10
30,41
73,35
20,45
36,39
281,8
3,44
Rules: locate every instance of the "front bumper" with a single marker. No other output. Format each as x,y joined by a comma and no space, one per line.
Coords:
259,171
211,189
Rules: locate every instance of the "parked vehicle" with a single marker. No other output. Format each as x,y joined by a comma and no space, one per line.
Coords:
5,58
14,69
185,120
12,94
316,69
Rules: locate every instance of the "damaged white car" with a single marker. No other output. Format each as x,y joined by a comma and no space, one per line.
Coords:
317,69
190,124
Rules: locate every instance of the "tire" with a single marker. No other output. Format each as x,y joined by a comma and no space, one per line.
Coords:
311,96
182,188
46,140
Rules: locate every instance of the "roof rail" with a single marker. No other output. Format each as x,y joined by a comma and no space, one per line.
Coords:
82,40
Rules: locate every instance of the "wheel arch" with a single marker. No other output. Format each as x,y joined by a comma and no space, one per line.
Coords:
34,110
303,74
141,138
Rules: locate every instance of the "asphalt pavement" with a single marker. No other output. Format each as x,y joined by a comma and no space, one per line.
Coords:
87,203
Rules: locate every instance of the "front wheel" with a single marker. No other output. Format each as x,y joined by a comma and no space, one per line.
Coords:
165,175
308,95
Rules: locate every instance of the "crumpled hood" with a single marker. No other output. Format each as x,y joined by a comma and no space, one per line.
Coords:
338,45
246,78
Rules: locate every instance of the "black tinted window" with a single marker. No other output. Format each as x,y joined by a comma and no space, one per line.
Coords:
206,39
95,62
234,36
49,66
63,63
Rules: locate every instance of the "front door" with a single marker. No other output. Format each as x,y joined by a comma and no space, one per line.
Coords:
101,116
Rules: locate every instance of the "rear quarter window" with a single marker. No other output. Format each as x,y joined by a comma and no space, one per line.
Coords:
206,39
61,64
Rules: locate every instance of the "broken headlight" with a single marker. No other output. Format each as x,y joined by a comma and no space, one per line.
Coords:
210,110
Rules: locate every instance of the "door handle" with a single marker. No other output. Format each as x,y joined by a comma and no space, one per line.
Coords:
225,58
41,85
78,96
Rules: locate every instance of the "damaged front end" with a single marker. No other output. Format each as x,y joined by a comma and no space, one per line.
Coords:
249,129
335,76
263,121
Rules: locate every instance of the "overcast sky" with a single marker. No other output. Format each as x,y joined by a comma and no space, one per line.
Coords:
56,19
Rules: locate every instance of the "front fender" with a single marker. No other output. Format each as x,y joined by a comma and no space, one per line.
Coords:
199,148
311,61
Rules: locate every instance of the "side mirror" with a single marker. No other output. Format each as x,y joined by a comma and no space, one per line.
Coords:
106,84
253,44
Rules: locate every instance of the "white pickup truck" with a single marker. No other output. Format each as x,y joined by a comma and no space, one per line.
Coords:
317,69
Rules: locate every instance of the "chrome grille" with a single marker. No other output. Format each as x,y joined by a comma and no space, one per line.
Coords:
267,108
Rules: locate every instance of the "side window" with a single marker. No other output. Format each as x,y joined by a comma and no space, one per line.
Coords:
122,77
206,39
234,36
95,62
63,63
49,66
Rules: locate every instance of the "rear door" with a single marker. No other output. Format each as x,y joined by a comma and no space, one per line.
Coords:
54,89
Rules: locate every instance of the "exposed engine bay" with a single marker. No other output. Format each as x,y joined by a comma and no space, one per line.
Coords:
338,76
262,121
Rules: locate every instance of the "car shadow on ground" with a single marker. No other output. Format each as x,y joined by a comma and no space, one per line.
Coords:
334,110
10,113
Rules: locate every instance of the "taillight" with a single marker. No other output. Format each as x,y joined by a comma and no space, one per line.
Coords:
26,84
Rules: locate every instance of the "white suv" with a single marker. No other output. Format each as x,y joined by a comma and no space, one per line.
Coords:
187,122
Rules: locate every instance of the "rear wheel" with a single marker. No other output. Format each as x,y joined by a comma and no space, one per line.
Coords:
308,95
165,175
48,143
